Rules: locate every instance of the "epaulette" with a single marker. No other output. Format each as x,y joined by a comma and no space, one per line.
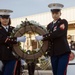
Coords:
63,20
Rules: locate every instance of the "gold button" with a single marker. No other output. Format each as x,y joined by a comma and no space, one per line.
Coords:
11,39
8,47
49,35
46,35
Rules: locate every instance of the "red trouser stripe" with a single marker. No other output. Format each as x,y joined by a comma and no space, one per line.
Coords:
14,73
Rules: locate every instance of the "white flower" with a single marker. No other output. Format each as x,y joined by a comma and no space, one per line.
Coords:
18,26
13,31
16,29
31,21
43,27
37,24
34,23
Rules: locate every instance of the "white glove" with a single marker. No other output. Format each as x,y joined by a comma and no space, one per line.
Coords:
21,39
1,65
38,38
23,62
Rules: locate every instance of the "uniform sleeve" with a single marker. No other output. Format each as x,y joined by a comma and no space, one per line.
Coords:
2,39
59,32
12,40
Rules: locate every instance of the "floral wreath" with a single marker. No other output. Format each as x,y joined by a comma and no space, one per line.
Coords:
23,28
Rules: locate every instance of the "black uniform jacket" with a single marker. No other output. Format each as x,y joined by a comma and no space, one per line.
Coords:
57,38
6,47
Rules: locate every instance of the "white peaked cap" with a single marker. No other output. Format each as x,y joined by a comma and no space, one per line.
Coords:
5,12
56,6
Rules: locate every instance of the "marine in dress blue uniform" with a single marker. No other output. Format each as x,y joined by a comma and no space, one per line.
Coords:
6,43
58,45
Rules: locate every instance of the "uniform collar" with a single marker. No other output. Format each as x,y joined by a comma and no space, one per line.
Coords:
56,21
5,26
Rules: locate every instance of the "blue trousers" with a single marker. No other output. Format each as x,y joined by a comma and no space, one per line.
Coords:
8,67
59,64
